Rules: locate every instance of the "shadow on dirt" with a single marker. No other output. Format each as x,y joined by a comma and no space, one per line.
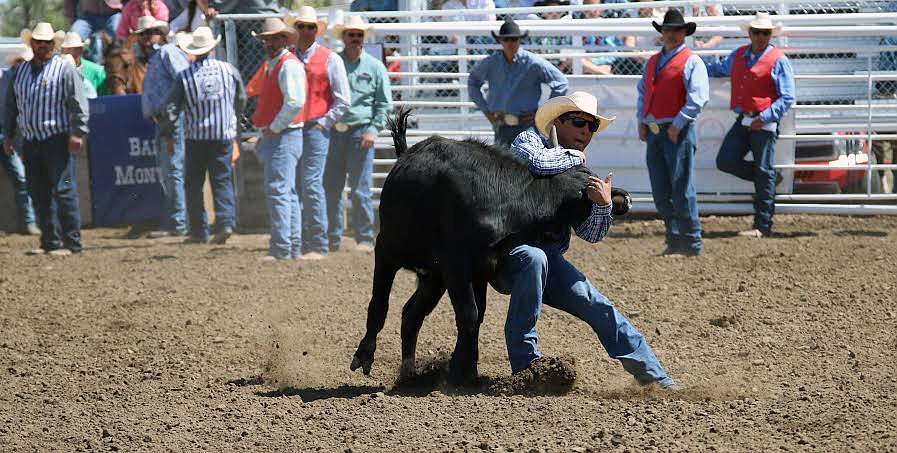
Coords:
861,233
314,394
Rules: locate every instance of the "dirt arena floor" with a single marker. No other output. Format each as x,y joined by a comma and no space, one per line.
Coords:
786,344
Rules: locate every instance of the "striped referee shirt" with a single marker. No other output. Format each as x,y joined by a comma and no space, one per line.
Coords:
211,95
47,99
546,161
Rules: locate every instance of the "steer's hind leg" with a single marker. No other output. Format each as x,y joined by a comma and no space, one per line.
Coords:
384,274
430,289
457,276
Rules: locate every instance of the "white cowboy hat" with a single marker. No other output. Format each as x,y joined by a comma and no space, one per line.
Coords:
72,40
24,54
353,23
145,23
274,26
200,42
761,21
306,15
578,101
42,32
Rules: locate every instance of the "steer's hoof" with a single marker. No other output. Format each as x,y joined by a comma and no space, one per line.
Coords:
364,364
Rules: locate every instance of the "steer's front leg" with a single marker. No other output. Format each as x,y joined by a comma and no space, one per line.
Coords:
458,280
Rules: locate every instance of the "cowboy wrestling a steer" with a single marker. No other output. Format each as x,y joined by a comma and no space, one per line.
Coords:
461,214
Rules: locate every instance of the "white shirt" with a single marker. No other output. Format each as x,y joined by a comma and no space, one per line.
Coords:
471,4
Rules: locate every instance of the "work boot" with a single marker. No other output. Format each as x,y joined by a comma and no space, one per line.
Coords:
32,230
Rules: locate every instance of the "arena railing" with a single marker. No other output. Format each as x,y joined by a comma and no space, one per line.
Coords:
853,40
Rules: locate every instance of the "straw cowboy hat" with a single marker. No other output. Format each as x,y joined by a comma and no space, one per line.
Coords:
72,40
673,20
145,23
200,42
761,21
353,23
578,101
509,29
274,26
306,15
42,32
24,54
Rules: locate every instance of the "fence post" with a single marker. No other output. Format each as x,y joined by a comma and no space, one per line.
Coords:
230,39
869,153
462,68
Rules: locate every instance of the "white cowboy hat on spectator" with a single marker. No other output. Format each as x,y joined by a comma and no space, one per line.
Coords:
578,101
306,15
761,21
353,23
72,40
200,42
274,26
23,54
145,23
42,32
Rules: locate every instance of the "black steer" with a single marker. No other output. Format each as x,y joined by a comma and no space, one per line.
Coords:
449,211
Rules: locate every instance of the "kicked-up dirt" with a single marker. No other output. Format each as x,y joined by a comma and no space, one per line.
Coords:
785,343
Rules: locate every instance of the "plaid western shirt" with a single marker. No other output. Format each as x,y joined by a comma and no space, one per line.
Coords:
545,161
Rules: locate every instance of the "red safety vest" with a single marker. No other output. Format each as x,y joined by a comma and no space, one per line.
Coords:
318,97
754,89
665,93
271,98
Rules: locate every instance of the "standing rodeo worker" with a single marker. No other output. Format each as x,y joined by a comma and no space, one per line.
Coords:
46,103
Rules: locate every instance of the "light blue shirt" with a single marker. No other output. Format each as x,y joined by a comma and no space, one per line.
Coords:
514,87
782,75
161,72
697,90
606,41
291,81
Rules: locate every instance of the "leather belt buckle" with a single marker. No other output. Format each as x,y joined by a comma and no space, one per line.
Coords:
510,120
654,128
341,127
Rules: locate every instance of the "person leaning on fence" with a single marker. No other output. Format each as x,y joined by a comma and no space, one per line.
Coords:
515,78
281,98
210,94
134,10
538,273
11,162
326,100
671,94
86,17
352,140
92,72
46,103
165,63
762,92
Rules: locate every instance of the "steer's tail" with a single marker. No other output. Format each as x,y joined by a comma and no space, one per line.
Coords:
398,124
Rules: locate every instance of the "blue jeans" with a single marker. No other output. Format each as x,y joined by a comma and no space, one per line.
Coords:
505,135
171,169
16,171
212,156
532,276
279,156
347,156
671,168
739,140
50,172
87,24
310,187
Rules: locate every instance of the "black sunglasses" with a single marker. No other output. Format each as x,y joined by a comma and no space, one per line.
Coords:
510,39
579,122
761,32
306,26
356,34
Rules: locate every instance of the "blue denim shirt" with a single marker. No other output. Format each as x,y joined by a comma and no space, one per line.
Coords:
697,90
514,87
161,72
782,74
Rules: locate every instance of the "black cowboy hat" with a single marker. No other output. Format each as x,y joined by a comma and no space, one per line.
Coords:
673,20
509,29
552,2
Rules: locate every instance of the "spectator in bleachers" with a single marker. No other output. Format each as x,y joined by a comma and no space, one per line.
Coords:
192,17
603,65
134,10
176,7
210,95
281,99
762,93
374,5
92,72
162,72
707,9
11,162
671,94
327,98
352,143
469,4
46,103
86,17
515,78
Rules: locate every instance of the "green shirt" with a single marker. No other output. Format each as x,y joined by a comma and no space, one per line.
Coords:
93,73
371,93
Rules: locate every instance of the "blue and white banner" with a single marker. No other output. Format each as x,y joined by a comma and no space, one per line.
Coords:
123,171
